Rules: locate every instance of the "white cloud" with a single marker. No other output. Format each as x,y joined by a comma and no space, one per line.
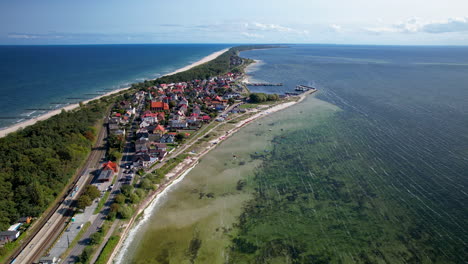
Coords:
22,36
450,25
336,28
255,26
251,35
416,25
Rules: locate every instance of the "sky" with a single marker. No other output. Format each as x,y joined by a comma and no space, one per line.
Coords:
377,22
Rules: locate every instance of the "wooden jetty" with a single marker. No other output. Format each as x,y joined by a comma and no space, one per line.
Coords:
264,84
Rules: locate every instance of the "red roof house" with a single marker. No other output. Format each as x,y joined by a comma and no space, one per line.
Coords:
159,106
110,166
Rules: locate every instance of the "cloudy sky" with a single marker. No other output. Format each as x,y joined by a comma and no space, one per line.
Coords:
391,22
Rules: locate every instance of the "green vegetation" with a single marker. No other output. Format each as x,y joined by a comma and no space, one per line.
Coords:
262,97
227,62
316,202
101,203
90,193
9,248
37,162
95,239
107,250
248,106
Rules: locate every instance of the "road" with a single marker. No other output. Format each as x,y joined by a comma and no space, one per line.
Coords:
55,221
128,153
72,257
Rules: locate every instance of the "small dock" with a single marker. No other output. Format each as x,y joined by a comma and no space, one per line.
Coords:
264,84
303,88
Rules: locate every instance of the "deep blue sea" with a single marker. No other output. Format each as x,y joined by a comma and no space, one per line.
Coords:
45,77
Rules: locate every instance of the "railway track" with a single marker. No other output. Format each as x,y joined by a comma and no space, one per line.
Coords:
54,222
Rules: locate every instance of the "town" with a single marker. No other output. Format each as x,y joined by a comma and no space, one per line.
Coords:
149,131
144,129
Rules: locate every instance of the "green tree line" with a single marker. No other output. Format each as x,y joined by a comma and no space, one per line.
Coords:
218,66
37,162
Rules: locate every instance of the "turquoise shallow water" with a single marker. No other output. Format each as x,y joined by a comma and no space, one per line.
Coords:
46,77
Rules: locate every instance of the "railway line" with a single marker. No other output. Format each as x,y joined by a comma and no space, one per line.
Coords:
55,221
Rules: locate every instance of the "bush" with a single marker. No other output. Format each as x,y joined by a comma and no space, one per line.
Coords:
83,202
262,97
120,198
125,212
92,192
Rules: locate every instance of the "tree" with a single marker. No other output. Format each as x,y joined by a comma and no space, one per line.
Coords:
179,137
96,238
114,155
127,190
115,207
145,184
231,101
258,97
134,198
125,212
83,202
141,193
92,192
120,198
86,255
172,103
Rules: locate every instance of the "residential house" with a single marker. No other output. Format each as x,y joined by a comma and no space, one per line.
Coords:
141,145
150,118
144,124
8,236
159,106
178,124
25,220
159,130
206,118
142,160
167,138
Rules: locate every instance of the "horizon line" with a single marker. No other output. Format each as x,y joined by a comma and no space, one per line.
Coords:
243,43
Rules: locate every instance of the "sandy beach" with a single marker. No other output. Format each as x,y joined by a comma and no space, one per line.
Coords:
47,115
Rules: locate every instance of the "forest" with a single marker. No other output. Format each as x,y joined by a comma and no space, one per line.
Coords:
227,62
36,163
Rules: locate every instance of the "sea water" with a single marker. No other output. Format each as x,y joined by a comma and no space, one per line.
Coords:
37,79
372,169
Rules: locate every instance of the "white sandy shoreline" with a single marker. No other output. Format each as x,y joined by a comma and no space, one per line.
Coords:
47,115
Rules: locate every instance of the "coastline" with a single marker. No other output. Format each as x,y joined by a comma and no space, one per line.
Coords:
178,172
49,114
249,67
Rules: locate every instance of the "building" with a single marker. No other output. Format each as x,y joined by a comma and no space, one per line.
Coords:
159,106
181,124
105,176
25,220
142,160
8,236
49,260
107,171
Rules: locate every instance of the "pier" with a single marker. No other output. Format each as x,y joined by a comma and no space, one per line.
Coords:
304,88
264,84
